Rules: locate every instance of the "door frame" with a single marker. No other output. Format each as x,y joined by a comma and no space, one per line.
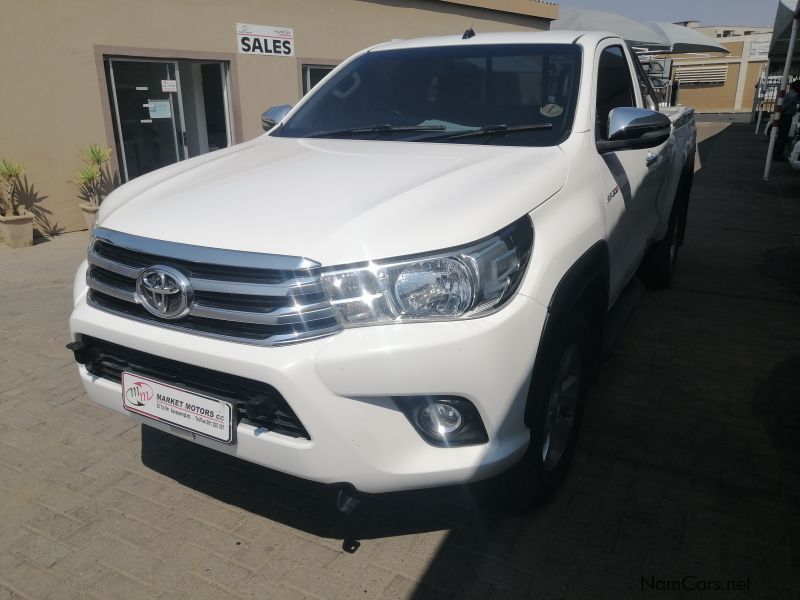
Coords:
180,136
102,52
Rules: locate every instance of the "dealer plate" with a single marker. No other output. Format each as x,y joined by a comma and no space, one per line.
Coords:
184,409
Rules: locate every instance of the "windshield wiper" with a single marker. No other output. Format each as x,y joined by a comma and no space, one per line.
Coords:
500,128
379,129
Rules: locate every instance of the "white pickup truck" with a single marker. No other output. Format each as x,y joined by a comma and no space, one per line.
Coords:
402,284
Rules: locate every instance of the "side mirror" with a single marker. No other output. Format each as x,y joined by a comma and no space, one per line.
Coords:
635,128
274,115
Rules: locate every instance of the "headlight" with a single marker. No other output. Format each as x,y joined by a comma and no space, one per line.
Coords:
453,284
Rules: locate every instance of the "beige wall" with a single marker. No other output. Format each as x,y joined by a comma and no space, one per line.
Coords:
751,79
712,97
53,99
735,48
722,98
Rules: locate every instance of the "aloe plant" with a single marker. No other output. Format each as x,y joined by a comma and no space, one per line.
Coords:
90,178
95,154
87,180
10,174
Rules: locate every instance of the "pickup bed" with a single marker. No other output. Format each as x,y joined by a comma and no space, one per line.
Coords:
404,282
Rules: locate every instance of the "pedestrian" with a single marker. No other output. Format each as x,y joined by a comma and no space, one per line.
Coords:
788,111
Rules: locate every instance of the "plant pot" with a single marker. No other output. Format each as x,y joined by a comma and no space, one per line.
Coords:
89,213
17,230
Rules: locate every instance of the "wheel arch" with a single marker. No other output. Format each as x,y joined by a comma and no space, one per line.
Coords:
584,286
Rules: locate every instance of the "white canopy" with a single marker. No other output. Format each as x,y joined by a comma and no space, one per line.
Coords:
683,40
638,34
666,38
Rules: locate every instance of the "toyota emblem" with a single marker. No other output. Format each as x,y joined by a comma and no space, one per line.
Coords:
164,292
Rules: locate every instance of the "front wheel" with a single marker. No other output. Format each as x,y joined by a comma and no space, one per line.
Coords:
558,410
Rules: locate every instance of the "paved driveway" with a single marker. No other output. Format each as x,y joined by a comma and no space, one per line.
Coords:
687,472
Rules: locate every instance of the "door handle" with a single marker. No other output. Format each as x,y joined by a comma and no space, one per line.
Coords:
651,159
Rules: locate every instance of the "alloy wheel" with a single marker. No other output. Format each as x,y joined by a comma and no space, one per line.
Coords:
562,407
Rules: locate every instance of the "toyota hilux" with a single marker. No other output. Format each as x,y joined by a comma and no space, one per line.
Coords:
404,282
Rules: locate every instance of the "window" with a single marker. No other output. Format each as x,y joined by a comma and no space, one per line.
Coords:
313,74
614,87
702,74
436,94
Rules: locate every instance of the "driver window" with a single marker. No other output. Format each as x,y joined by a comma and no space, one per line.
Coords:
614,87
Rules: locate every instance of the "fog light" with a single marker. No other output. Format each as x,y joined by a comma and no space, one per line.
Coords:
444,421
440,419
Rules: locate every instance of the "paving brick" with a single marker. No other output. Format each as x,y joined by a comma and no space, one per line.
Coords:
314,554
52,524
7,594
120,585
39,550
284,592
222,572
401,588
319,583
26,579
267,578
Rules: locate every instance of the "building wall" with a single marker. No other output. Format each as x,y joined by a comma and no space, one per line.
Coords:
716,98
53,94
712,97
753,73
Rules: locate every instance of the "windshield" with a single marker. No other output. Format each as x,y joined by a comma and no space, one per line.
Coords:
515,94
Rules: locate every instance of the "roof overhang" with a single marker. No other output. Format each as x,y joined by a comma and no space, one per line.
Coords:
526,8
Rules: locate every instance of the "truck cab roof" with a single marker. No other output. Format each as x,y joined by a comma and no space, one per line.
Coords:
584,38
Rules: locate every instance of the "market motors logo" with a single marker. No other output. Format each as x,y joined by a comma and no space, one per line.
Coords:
139,393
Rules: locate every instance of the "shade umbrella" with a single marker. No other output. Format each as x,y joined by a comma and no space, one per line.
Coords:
683,40
782,29
637,34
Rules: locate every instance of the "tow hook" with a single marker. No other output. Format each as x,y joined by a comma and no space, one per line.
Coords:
347,500
82,354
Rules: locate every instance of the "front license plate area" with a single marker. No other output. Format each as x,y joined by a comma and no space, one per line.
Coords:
181,408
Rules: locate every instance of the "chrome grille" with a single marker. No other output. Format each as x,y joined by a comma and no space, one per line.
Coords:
248,297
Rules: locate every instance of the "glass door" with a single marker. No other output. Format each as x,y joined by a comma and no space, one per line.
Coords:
148,112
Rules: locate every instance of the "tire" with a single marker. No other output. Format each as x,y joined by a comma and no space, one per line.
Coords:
658,266
554,430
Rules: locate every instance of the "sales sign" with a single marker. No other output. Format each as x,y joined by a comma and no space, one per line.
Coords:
265,40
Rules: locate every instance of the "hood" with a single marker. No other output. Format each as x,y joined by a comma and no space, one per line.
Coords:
337,201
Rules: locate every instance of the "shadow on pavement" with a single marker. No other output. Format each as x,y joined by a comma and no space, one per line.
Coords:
782,265
307,505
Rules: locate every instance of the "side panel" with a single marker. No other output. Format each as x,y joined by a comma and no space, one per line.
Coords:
567,224
633,180
684,140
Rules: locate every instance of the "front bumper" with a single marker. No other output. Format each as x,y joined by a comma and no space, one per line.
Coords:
340,387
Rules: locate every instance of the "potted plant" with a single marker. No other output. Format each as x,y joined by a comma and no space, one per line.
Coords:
92,181
16,224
